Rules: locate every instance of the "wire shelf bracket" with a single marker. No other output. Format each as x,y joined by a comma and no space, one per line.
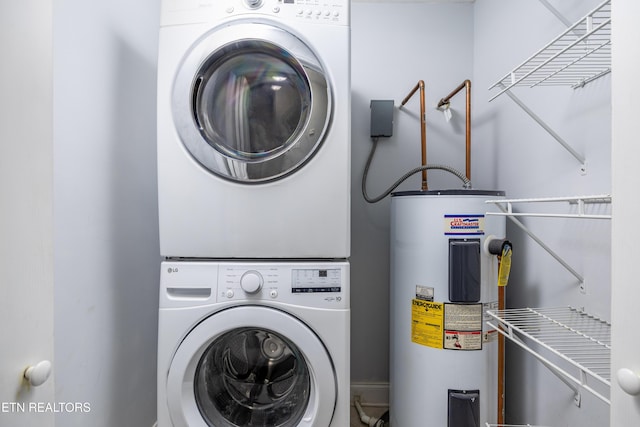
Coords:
506,208
570,335
580,201
579,157
578,56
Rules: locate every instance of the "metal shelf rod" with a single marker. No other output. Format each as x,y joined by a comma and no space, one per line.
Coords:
550,251
592,363
585,46
516,81
581,201
555,369
570,64
599,198
549,215
546,127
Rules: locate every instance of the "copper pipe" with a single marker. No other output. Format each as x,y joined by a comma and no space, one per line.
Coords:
423,128
445,101
501,355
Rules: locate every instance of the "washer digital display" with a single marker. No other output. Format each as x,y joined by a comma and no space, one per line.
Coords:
316,280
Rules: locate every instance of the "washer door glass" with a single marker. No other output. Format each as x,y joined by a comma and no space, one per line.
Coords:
230,371
251,109
252,377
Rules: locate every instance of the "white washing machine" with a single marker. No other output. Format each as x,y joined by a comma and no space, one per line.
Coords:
253,344
254,128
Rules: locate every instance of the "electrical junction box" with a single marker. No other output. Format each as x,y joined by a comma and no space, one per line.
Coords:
381,118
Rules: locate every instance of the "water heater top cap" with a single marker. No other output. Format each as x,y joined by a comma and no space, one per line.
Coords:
454,192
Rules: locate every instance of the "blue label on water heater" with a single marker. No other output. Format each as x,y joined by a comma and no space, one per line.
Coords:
463,224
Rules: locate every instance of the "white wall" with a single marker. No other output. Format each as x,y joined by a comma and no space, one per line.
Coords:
106,261
26,220
393,47
105,206
526,162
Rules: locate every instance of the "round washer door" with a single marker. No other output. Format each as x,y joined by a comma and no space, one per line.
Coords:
228,372
251,102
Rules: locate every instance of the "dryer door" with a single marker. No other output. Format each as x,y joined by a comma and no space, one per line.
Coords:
251,102
251,366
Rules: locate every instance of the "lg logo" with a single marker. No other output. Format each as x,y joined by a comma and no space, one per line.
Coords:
172,270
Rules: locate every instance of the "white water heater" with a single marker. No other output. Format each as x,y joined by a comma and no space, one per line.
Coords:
444,358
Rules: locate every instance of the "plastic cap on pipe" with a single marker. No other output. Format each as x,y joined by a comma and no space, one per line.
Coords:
494,245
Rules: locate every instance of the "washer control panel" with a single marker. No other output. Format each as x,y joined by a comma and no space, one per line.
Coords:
314,284
304,283
316,280
238,281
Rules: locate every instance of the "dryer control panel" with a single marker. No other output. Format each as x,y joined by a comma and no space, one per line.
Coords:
319,10
335,12
312,11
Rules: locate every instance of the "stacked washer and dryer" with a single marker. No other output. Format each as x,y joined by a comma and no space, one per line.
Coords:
254,205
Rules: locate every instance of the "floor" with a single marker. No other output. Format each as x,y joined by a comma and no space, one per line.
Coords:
372,411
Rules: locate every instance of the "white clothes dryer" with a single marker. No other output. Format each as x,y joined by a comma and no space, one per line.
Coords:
253,344
254,129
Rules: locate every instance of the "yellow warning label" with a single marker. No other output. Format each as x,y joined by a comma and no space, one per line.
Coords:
426,323
505,266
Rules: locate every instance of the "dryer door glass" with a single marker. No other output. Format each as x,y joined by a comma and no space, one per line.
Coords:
252,377
251,109
252,102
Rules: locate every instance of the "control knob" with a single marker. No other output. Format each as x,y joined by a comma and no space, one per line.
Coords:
253,4
251,282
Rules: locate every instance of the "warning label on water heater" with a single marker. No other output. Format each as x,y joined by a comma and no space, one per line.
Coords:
460,340
463,224
427,322
463,326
